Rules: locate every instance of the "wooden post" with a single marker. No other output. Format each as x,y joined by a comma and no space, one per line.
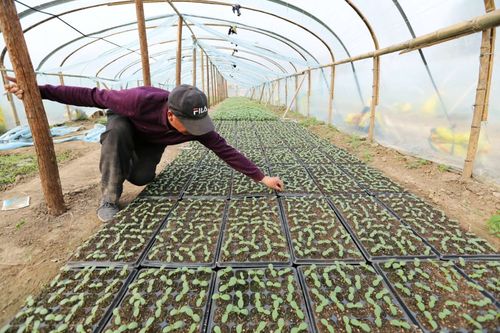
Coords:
141,27
262,93
194,66
10,98
271,93
294,97
374,102
208,93
330,99
308,92
178,63
296,88
482,94
61,81
202,71
32,100
286,90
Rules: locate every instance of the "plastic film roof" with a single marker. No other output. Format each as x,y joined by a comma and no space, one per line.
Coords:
99,39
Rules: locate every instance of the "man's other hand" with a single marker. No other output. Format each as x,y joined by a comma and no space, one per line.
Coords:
274,183
13,88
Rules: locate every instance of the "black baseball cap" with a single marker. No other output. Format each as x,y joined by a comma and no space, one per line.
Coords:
189,104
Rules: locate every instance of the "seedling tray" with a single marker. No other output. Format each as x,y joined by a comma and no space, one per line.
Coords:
332,180
371,179
439,297
210,181
254,234
345,298
337,155
380,235
190,237
310,156
243,186
122,241
77,300
316,234
443,234
172,181
281,156
296,178
484,273
161,298
258,300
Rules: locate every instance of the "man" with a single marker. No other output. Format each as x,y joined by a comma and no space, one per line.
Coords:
141,123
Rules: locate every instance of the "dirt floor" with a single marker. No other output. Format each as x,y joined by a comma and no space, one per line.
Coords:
471,202
34,245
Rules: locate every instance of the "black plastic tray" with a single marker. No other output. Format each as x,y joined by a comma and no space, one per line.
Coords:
204,321
300,291
237,264
212,264
397,301
365,252
298,261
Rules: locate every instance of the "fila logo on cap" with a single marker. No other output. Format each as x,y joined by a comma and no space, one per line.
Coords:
198,111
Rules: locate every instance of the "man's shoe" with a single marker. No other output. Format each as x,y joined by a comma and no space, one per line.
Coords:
107,211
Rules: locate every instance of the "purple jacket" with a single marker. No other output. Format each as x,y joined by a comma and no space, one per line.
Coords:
146,107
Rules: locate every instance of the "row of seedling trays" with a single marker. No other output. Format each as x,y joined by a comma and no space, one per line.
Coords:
395,296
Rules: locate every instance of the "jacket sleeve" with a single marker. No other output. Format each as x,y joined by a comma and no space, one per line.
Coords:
123,102
230,155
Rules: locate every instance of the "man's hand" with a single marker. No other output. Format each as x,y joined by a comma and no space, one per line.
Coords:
274,183
13,87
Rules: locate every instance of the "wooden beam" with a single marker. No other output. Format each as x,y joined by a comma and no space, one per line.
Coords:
178,63
481,101
374,101
309,93
194,66
141,27
262,92
296,89
294,97
286,91
208,93
10,97
61,81
202,71
331,95
32,100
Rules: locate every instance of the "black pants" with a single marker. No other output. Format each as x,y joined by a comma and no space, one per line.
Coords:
125,156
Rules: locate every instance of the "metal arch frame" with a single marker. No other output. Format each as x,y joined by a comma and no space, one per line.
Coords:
174,40
257,30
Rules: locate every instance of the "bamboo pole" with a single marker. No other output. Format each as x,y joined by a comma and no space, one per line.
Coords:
61,81
480,105
374,102
489,6
202,71
208,83
308,92
178,63
10,97
141,27
194,66
294,97
331,96
32,100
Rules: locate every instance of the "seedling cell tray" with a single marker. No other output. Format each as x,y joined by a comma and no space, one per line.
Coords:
316,234
164,300
484,273
258,300
77,300
346,298
122,241
439,297
190,237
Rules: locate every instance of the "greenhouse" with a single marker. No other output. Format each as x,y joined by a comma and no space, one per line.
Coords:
250,166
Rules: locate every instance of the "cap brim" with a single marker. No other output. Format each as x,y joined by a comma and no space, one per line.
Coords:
197,126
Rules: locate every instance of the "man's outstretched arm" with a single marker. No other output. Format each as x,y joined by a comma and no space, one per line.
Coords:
237,160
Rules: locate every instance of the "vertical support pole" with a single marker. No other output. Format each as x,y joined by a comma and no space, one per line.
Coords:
208,84
10,98
202,71
482,94
178,63
141,27
61,81
374,101
286,90
194,66
262,92
296,87
32,100
308,92
330,99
